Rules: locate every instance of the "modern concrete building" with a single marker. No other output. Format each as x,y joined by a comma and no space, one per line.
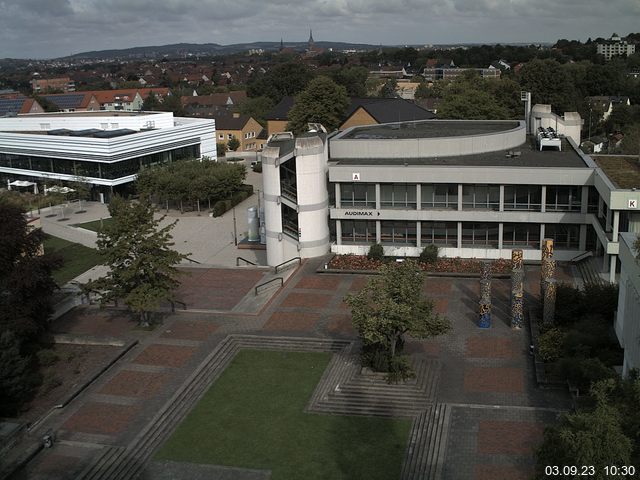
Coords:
627,322
473,188
104,149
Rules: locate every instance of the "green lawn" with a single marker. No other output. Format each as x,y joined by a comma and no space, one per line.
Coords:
253,417
76,258
94,225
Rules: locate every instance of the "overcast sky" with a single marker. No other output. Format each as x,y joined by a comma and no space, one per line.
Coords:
52,28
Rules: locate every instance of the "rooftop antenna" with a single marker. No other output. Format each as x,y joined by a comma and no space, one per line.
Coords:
526,98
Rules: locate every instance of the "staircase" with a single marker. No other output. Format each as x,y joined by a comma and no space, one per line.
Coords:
588,270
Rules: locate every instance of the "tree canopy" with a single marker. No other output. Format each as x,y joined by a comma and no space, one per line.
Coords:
142,265
323,101
26,284
388,307
285,79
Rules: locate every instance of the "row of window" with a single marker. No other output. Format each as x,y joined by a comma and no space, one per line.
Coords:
108,171
445,234
474,197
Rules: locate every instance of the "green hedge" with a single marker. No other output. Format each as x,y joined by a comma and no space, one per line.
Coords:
222,206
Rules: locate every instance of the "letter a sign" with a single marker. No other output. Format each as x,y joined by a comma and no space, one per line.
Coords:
355,177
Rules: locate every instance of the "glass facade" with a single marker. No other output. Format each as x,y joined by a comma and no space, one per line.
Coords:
522,235
398,195
358,195
442,234
480,235
399,233
563,199
83,168
565,236
358,232
439,196
523,197
480,197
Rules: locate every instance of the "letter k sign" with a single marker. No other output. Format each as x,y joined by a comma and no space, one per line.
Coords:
633,203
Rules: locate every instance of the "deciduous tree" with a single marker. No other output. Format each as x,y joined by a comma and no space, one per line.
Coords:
388,307
323,101
142,264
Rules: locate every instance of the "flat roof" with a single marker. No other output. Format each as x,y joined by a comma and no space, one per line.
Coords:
97,113
529,156
623,171
429,129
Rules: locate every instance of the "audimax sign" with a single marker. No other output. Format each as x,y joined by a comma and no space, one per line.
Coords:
361,213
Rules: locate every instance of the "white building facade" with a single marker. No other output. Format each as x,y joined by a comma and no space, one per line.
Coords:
104,149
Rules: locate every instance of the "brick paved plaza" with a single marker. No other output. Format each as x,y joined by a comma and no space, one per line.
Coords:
486,378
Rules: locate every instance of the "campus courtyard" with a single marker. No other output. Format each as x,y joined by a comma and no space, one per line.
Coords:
246,386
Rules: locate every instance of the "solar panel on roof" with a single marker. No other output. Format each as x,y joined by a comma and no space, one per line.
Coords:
11,105
66,101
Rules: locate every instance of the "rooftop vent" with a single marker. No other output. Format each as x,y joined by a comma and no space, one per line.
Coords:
548,138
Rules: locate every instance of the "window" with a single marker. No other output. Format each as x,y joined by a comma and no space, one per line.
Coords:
481,197
563,199
439,195
526,235
398,195
358,195
442,234
398,233
480,235
221,136
358,231
523,197
565,236
229,136
290,221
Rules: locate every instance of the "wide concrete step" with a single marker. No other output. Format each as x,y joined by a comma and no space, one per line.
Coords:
425,455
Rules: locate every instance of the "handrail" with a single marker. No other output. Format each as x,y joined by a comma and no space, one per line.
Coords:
173,305
193,261
244,260
268,282
582,256
287,261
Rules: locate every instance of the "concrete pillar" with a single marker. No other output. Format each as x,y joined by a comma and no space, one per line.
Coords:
616,225
339,232
541,235
501,207
338,200
500,233
460,189
543,202
582,243
378,231
459,234
378,200
418,197
608,221
584,204
612,269
418,234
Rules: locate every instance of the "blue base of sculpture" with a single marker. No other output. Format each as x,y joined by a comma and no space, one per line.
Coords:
485,321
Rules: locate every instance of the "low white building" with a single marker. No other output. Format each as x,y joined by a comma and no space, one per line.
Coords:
104,149
627,322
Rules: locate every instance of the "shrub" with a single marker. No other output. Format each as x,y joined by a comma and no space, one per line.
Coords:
582,372
238,197
550,344
429,254
376,252
46,358
219,208
246,188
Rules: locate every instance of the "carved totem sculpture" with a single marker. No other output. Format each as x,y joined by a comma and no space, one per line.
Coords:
517,289
547,282
485,295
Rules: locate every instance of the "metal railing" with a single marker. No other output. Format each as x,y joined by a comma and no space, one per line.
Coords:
249,262
173,305
286,264
269,283
193,261
582,256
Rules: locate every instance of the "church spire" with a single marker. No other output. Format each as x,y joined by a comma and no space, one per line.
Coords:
281,44
310,38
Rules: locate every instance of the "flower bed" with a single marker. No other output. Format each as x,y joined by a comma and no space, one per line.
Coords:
443,265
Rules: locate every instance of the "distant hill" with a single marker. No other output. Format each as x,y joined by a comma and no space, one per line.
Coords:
181,49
